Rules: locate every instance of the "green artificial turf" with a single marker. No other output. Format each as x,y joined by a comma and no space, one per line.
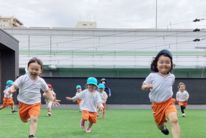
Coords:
64,123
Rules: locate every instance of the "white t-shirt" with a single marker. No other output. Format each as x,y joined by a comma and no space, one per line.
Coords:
6,93
90,100
78,93
29,90
162,86
182,96
103,96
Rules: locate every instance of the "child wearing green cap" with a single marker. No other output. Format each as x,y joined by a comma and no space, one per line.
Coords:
104,96
78,90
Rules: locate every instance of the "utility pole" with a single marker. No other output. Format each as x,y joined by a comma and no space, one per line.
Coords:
156,15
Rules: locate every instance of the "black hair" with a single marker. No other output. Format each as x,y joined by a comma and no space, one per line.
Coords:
35,60
181,83
165,53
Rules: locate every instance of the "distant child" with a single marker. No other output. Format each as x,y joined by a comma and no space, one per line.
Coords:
159,84
78,90
91,100
49,102
182,97
29,96
8,99
104,96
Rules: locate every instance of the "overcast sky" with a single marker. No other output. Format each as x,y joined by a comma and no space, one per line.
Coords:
107,13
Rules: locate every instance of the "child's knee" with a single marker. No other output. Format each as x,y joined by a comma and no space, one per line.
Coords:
173,120
33,119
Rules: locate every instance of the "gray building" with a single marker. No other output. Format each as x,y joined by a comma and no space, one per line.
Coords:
9,58
75,48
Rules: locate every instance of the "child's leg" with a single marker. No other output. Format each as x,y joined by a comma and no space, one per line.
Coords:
4,104
182,109
173,119
104,111
92,120
49,108
82,123
103,114
33,125
2,107
85,117
88,130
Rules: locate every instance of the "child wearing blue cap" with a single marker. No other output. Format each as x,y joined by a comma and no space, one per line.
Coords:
8,98
104,96
91,100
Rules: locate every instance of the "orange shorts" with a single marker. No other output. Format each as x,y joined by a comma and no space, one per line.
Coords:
183,103
161,110
8,102
26,111
91,116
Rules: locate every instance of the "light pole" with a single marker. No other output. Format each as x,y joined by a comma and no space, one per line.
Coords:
156,16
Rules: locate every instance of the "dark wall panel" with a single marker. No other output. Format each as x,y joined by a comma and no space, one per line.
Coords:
127,90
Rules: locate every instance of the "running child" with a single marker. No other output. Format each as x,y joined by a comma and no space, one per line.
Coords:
104,96
29,96
8,98
182,97
91,100
159,84
78,90
49,102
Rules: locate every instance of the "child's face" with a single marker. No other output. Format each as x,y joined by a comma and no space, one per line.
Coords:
91,88
164,64
79,90
34,69
182,88
101,90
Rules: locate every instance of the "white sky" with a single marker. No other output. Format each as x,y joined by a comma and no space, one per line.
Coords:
107,13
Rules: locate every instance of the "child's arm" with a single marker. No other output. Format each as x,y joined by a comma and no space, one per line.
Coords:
12,89
177,99
188,96
76,97
99,103
146,87
106,96
69,98
49,95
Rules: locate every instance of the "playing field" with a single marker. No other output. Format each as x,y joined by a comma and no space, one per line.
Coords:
119,124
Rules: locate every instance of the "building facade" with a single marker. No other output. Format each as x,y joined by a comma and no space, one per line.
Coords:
126,50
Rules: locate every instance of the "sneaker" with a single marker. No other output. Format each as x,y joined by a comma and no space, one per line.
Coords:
82,123
183,115
88,130
13,111
32,136
165,131
49,114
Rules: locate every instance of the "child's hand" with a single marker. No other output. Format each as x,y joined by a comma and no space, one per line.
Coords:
147,87
56,102
44,95
69,98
